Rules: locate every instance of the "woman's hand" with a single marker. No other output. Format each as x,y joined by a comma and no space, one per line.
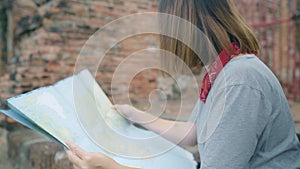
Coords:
134,115
85,160
171,130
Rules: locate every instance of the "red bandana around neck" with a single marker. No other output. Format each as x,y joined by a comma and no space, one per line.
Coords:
215,68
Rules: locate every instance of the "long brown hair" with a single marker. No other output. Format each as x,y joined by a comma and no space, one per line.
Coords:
220,22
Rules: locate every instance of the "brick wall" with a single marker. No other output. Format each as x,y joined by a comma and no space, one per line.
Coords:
40,41
275,28
47,36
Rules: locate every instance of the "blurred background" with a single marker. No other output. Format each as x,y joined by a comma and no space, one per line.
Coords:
41,39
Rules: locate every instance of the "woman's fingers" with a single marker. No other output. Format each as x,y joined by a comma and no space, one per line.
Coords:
85,160
76,150
132,114
75,167
117,106
75,160
122,109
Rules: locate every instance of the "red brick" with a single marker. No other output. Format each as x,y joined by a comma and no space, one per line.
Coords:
54,10
78,9
37,63
47,21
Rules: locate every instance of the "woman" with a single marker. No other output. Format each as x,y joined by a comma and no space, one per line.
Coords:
254,126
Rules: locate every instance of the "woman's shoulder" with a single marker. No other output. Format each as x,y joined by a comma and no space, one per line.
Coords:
247,70
245,67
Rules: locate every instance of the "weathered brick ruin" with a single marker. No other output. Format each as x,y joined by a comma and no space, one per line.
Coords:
40,41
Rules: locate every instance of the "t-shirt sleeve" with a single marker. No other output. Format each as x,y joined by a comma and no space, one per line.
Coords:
195,113
244,114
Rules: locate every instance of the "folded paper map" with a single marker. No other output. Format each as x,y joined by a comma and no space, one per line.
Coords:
76,109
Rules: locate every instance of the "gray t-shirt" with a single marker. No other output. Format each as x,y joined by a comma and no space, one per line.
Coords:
246,122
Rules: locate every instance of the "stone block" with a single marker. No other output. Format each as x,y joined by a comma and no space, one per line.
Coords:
15,141
40,154
28,149
61,161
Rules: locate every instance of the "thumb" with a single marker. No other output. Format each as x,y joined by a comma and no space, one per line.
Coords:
122,109
125,111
